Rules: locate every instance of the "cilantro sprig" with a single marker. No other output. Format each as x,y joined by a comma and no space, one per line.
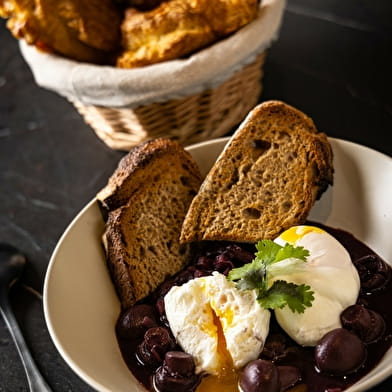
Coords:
273,260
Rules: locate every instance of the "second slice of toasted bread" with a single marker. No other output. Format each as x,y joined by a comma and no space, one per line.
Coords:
147,198
275,166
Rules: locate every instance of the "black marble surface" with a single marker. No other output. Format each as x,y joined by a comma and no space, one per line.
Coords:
332,61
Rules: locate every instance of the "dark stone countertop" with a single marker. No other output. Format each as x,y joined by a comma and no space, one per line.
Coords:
332,61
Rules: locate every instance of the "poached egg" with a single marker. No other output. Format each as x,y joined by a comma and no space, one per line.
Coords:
222,327
332,277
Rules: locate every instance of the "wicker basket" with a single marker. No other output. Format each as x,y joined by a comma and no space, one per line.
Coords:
195,118
192,99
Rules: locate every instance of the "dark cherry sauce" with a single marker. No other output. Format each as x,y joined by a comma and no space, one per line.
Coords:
300,357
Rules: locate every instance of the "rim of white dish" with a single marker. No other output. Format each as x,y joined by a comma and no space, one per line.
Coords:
366,382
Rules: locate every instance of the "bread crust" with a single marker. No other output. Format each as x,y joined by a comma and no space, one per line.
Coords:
274,168
83,30
134,170
146,200
177,28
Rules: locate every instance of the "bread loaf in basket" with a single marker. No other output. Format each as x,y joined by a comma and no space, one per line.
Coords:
192,99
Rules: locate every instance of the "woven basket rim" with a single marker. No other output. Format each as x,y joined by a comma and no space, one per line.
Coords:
198,117
115,87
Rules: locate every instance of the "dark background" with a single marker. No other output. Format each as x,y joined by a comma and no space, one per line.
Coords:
332,61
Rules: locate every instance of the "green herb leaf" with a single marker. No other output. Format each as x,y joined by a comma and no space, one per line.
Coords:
289,251
267,251
271,261
251,278
282,293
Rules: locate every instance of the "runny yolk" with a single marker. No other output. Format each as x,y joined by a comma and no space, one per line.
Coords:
227,380
293,234
227,383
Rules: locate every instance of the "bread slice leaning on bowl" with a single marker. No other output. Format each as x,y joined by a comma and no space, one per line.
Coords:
145,201
275,166
267,179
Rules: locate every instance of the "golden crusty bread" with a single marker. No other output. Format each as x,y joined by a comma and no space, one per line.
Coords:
177,28
146,200
267,179
83,30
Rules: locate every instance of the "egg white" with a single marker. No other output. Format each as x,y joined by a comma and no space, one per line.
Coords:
198,310
332,277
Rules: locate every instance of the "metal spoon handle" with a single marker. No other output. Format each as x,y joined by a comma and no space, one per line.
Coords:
34,377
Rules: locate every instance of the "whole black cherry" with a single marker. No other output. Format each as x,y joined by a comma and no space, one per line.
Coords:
339,352
260,375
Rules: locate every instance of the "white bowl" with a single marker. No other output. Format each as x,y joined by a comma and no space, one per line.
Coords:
81,306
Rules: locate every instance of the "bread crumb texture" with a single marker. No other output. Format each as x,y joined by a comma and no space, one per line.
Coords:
267,179
143,232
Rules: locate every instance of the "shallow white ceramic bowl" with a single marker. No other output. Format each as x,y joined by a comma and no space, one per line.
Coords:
80,303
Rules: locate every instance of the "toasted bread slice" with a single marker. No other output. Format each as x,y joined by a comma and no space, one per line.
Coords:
147,198
275,166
